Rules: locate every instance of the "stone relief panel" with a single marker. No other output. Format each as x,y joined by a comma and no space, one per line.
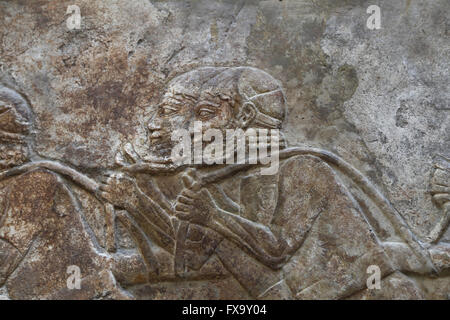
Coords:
95,203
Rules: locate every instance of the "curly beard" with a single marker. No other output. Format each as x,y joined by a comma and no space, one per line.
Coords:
12,155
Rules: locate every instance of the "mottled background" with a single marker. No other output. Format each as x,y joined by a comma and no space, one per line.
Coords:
378,98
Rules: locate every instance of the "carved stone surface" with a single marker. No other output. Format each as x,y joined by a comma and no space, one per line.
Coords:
94,206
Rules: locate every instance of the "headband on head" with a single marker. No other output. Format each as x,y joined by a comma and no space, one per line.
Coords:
262,118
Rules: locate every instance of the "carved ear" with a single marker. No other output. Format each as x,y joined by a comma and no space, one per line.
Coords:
247,114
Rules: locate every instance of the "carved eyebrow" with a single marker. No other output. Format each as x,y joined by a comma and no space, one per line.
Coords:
217,95
188,96
173,101
180,98
208,103
212,95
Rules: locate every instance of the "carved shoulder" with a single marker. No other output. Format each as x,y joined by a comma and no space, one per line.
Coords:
30,198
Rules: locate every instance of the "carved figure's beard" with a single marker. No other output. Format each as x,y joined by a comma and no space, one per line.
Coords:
159,155
161,149
12,155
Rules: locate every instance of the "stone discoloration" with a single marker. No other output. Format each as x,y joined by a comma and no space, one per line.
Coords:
80,113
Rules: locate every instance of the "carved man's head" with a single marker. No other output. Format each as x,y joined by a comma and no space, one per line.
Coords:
15,127
222,98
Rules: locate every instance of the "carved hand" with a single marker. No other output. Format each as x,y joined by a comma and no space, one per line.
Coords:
440,186
440,189
194,204
127,156
120,190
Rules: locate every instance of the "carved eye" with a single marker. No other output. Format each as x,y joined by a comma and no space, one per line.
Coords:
205,112
167,110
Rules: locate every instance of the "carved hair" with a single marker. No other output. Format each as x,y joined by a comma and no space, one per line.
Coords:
16,132
15,116
239,86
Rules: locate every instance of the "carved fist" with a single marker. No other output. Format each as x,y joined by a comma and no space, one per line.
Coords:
440,185
195,203
127,156
119,189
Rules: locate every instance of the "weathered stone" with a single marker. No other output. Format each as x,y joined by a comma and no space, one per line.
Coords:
94,204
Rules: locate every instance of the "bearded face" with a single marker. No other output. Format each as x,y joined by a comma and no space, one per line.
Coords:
179,109
219,98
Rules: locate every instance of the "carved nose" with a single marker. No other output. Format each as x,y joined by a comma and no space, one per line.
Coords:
154,124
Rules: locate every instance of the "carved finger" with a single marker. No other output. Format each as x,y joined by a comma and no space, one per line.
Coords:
441,177
188,193
183,207
104,178
183,215
442,166
103,187
120,159
4,108
441,198
106,196
188,181
435,188
130,154
185,200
